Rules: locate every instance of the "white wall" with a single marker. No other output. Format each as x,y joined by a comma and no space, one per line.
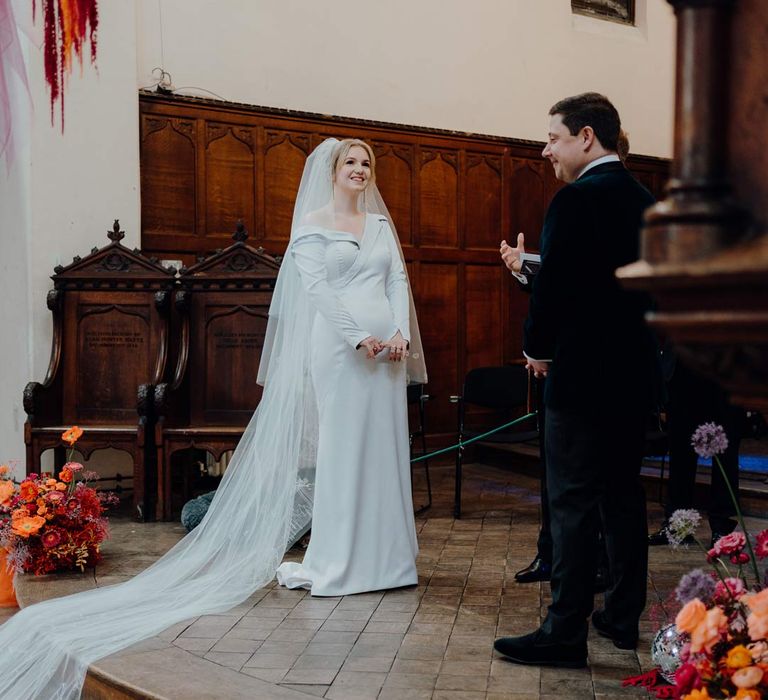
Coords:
490,66
62,194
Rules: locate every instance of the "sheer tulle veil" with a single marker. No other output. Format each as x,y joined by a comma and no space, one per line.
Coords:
263,503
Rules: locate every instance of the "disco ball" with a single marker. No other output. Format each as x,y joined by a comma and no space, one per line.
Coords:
665,650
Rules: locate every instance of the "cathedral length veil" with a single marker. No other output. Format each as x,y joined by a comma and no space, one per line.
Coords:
262,504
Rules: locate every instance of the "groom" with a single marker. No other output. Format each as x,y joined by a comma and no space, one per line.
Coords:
587,336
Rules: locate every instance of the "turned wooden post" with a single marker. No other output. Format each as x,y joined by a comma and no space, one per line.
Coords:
698,216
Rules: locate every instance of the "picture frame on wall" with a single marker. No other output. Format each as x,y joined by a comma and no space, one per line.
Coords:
621,11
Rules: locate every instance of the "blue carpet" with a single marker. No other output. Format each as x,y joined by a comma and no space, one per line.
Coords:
747,463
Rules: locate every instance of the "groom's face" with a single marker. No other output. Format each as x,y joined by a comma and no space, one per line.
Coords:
565,151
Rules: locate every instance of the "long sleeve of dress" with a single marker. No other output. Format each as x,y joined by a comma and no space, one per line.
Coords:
397,290
309,255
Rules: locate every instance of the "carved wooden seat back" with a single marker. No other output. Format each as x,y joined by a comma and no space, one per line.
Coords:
110,347
222,309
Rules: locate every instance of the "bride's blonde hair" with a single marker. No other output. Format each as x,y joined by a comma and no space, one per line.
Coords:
342,148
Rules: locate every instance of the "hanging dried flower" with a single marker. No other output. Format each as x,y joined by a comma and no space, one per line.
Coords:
67,24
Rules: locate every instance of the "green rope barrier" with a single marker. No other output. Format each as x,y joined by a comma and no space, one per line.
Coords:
462,443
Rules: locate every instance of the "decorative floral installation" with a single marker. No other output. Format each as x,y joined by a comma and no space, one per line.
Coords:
52,524
67,25
724,614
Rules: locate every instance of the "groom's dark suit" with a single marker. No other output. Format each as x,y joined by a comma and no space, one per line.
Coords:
599,387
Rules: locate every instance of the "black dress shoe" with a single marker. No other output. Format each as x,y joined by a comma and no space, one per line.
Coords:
621,640
537,570
529,650
602,580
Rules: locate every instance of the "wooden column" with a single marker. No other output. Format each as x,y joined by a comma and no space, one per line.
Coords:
699,216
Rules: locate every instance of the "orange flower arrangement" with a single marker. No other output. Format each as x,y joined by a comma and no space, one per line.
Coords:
50,524
724,614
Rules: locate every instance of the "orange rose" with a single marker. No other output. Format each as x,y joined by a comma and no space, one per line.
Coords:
50,483
690,616
28,490
709,630
19,513
72,435
758,626
747,677
748,694
65,475
739,657
60,486
7,490
757,602
24,527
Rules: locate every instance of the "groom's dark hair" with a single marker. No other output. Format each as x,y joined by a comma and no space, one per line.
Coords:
591,109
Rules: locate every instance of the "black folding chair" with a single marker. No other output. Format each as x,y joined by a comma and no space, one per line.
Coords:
504,389
417,397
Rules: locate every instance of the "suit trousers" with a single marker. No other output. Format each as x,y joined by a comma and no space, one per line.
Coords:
593,469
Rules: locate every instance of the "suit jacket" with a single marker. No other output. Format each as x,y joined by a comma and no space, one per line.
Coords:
579,316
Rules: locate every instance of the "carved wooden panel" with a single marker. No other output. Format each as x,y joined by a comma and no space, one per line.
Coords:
439,198
483,285
284,158
229,362
439,313
482,213
110,351
230,179
527,200
394,177
168,194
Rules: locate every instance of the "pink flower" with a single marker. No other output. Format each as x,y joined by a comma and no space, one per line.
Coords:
73,466
730,544
740,559
735,586
761,547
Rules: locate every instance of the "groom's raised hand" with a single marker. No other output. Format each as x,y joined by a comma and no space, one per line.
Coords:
511,256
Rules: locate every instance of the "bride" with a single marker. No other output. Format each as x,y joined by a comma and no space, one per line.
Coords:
341,342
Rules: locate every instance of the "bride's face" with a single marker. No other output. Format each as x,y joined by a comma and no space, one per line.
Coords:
353,173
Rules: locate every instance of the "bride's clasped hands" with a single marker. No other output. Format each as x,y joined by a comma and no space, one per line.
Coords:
397,346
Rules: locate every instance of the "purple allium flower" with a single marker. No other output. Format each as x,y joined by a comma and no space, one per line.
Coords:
695,584
682,523
709,439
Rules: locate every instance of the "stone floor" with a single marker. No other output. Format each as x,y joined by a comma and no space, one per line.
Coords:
431,641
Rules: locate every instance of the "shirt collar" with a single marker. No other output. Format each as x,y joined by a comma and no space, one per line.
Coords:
611,158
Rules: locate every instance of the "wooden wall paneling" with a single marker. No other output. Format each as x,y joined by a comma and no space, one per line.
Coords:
439,198
452,197
483,200
439,324
285,153
168,182
484,287
527,200
230,179
394,176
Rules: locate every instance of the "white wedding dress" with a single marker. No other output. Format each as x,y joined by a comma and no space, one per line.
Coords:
363,533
